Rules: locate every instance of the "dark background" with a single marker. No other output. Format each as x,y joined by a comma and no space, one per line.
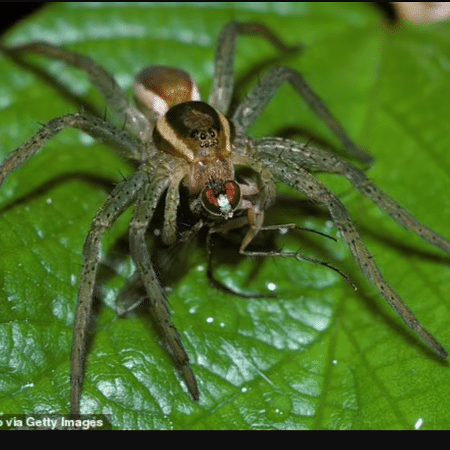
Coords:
15,11
12,12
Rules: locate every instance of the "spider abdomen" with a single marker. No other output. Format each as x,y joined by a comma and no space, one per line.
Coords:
158,88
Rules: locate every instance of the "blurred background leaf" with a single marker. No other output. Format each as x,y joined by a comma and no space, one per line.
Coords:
320,356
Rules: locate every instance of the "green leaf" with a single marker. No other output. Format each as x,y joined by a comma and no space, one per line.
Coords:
320,356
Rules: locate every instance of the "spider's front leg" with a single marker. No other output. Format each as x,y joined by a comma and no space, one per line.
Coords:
121,197
143,213
300,179
313,157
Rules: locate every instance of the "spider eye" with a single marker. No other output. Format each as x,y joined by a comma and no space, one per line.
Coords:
194,121
221,199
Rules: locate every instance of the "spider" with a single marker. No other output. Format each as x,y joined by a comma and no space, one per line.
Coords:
197,154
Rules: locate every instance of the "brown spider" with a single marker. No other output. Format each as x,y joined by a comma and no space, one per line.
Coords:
189,150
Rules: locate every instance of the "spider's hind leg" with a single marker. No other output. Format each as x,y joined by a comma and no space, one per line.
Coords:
259,97
298,178
114,95
223,83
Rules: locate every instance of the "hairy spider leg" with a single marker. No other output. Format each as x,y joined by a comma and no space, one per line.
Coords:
300,179
122,196
115,97
142,215
313,157
125,144
223,82
120,199
169,230
259,97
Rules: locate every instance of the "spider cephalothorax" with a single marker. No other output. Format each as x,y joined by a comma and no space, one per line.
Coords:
180,142
202,137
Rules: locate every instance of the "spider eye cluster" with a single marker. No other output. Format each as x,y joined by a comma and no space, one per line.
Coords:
194,131
202,135
207,138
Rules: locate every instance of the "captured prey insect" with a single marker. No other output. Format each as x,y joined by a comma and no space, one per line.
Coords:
189,152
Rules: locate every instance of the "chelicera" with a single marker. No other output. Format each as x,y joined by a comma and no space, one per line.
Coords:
180,142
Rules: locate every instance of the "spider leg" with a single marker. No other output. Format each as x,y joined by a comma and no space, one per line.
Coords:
313,157
133,292
260,96
115,97
169,231
223,82
120,140
143,212
121,197
300,179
